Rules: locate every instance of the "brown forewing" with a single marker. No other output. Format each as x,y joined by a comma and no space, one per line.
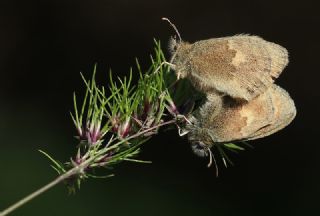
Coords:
240,66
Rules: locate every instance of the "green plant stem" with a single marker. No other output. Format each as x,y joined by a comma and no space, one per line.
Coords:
38,192
73,171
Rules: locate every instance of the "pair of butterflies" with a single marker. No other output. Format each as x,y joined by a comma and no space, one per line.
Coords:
237,76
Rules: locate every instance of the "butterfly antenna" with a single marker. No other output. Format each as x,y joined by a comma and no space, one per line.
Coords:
174,27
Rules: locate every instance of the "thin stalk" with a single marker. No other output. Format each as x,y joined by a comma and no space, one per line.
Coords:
72,172
39,191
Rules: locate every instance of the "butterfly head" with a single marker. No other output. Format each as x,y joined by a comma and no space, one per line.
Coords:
200,140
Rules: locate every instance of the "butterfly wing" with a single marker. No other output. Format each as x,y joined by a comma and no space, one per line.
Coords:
241,66
284,112
266,114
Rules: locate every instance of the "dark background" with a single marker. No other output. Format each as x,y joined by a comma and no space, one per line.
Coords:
45,44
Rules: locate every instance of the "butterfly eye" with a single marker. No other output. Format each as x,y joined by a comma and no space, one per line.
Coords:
200,149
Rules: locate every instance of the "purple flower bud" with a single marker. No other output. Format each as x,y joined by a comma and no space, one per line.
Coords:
81,133
124,128
172,108
95,133
88,136
78,159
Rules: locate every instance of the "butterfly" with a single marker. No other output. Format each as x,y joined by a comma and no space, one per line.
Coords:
224,120
241,66
237,75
